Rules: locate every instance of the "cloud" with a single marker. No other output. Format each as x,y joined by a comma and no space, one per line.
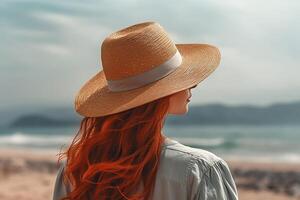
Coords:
60,40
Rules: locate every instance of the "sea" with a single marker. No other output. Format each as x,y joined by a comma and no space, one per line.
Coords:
254,143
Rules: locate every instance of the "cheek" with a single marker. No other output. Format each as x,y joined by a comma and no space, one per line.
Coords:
186,95
180,98
183,99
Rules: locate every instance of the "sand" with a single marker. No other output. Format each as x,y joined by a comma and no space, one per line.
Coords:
30,175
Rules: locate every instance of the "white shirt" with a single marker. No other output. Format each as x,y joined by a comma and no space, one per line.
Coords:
184,173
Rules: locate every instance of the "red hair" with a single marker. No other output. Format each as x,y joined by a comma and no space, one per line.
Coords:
110,155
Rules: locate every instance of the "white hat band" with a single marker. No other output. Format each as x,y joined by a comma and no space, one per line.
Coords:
154,74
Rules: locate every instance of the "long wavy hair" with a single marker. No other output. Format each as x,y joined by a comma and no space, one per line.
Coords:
111,156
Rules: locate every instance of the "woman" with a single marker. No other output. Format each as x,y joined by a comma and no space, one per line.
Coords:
120,151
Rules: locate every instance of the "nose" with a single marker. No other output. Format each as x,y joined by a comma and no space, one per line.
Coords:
190,93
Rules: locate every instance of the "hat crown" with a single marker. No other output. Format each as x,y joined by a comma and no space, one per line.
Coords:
135,49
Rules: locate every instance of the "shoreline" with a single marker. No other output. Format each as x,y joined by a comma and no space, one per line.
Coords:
234,161
27,172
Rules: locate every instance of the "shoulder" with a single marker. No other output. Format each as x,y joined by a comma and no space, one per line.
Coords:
181,153
178,162
208,176
60,188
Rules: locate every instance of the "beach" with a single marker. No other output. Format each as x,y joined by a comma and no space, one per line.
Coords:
30,175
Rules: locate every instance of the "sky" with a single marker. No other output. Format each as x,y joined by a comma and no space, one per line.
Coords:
49,49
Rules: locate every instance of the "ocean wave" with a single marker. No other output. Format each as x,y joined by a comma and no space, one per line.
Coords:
288,157
19,138
207,143
249,148
201,141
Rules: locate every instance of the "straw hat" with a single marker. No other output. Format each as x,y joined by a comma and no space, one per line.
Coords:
141,64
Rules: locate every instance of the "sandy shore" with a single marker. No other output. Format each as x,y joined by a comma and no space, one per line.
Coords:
30,175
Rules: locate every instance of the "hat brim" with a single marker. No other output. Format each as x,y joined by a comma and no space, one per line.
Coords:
198,62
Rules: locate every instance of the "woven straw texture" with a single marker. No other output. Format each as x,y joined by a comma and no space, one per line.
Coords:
95,99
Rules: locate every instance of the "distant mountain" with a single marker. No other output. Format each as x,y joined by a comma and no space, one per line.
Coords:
288,113
9,115
37,120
